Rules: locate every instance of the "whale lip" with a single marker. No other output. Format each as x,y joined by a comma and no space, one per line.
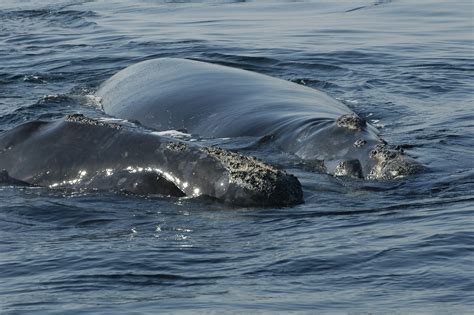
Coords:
391,163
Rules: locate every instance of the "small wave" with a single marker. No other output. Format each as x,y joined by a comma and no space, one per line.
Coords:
321,84
92,100
63,18
31,78
128,279
54,98
178,134
253,63
376,3
312,65
467,66
34,79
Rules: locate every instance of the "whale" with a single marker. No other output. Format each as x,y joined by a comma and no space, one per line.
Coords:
217,101
83,153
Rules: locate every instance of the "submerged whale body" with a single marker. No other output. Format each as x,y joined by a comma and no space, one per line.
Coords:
80,152
217,101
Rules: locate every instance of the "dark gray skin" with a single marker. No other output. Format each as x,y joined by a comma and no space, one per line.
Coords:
80,152
217,101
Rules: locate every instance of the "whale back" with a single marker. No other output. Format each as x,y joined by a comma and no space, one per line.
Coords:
80,152
210,100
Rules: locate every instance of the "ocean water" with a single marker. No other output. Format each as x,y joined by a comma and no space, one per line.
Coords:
354,246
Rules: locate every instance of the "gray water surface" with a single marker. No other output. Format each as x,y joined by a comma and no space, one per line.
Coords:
398,246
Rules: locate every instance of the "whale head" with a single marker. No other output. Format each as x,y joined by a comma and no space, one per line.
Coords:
349,147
